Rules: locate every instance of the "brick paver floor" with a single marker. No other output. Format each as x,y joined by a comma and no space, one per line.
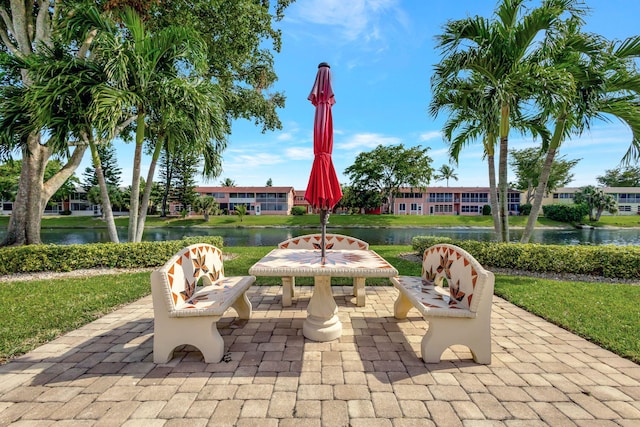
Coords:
103,374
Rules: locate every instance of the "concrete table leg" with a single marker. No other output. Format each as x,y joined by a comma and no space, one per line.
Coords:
322,323
358,291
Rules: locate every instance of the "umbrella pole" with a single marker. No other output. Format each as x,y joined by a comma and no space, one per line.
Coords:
324,217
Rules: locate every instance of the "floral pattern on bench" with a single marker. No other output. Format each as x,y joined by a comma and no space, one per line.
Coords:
445,262
201,263
332,241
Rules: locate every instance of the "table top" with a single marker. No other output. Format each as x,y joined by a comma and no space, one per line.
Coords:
307,262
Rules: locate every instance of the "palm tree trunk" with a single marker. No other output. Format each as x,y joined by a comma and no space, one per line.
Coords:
502,172
135,180
147,192
544,179
493,191
107,212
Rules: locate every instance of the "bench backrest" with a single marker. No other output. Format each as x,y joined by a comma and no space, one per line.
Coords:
332,241
463,274
199,264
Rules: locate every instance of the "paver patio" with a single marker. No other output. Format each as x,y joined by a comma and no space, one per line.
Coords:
103,374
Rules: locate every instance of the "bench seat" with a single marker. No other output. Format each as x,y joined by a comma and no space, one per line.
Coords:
459,313
190,294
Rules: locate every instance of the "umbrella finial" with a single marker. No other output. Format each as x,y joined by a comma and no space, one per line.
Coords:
324,64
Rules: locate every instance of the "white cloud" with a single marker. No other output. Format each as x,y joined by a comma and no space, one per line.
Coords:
439,152
285,136
427,136
299,153
245,161
354,19
367,140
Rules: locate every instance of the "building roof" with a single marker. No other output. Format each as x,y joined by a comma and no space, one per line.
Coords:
450,190
610,190
244,189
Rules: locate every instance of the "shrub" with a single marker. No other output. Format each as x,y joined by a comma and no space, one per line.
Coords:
34,258
298,210
65,212
486,210
525,209
565,213
621,262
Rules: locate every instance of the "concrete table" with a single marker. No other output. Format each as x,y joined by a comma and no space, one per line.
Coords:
322,323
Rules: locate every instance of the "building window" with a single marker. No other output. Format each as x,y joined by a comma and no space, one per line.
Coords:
414,206
470,209
409,195
629,198
475,197
440,197
563,195
402,207
443,208
625,208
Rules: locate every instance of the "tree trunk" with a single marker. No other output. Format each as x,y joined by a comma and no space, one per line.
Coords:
503,185
34,194
107,212
599,213
493,191
135,180
543,179
147,192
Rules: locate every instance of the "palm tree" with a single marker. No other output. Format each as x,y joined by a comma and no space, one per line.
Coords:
502,56
206,205
446,172
241,211
58,99
228,182
596,200
605,82
147,73
468,122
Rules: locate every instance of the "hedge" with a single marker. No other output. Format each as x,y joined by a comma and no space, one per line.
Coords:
36,258
621,262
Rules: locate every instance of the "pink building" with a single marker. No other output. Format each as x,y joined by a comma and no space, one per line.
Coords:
448,201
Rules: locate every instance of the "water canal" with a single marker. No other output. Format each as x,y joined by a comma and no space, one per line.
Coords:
375,236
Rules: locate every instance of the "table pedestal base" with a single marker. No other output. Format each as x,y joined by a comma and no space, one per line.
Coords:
322,323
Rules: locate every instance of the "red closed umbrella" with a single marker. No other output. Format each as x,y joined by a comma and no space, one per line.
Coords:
323,189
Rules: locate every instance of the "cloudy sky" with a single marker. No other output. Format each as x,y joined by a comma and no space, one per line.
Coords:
382,55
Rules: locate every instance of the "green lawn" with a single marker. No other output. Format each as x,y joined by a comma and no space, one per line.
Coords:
617,221
34,312
295,221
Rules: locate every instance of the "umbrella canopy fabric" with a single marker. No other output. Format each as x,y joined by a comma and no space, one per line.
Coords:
323,190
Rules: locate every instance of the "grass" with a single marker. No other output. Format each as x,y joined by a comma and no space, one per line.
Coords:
34,312
617,221
296,221
605,314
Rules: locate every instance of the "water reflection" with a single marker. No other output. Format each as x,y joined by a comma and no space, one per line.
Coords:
375,236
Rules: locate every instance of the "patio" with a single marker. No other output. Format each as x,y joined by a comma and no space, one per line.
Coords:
102,373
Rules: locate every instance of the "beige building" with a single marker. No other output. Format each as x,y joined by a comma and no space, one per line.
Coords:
258,200
628,198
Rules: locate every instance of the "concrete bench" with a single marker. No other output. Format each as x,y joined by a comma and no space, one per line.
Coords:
457,314
332,241
190,294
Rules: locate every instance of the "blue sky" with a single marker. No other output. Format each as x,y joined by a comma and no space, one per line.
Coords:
382,54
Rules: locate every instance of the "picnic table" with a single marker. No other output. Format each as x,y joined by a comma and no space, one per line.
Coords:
322,323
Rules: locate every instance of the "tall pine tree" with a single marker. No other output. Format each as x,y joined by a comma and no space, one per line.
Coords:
112,172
